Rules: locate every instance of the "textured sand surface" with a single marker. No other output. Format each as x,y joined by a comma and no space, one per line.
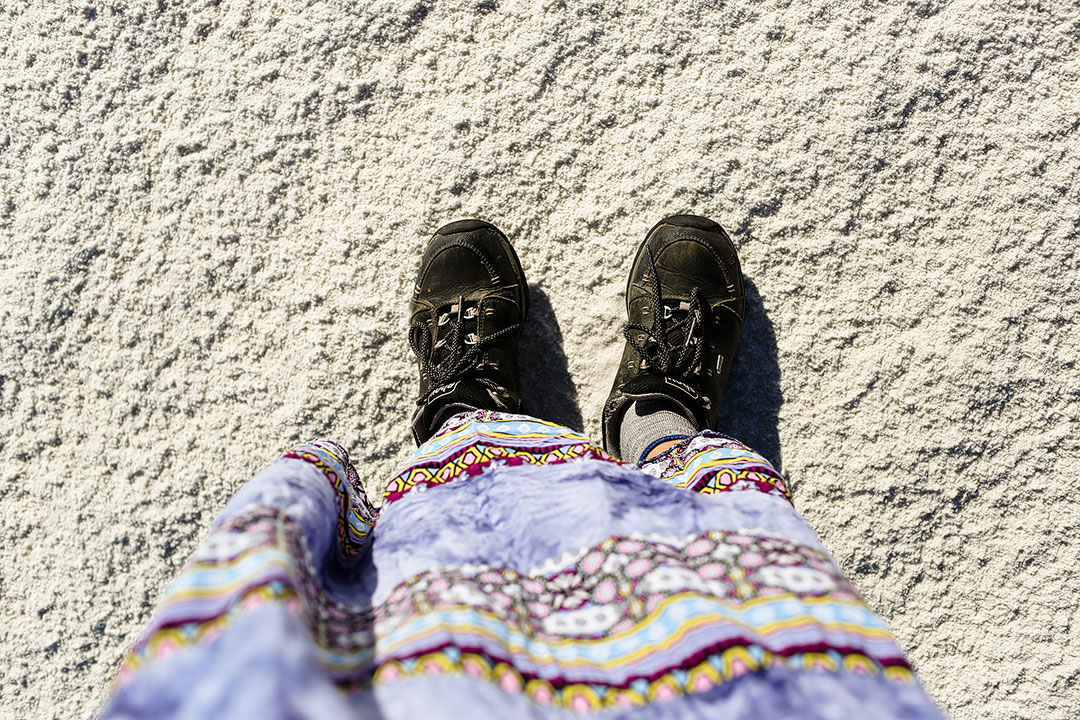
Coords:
211,211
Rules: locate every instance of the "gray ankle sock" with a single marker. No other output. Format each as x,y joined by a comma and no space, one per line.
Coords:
645,422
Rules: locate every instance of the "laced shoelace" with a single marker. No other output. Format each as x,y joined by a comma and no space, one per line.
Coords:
456,353
661,351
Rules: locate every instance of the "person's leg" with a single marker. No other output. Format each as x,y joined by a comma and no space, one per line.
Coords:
468,307
804,631
685,303
520,571
649,426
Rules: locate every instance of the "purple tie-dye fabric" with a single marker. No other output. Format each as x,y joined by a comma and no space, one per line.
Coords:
515,570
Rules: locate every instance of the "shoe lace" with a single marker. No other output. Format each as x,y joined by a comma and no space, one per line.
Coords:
670,346
455,353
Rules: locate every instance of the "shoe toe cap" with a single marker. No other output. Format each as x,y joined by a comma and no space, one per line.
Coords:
455,267
469,257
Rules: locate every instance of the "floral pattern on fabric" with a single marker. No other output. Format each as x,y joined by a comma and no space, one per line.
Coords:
256,557
584,631
621,581
636,619
248,560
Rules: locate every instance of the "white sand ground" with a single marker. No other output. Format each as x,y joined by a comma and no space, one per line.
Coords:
211,210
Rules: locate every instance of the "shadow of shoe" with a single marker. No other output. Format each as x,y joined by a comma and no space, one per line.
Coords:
750,409
549,392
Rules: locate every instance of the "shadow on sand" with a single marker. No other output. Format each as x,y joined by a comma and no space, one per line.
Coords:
751,406
549,391
750,410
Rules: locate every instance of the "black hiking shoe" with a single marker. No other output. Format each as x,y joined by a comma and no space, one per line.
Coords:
467,310
686,304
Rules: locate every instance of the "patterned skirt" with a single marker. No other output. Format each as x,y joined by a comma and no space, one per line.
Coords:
515,569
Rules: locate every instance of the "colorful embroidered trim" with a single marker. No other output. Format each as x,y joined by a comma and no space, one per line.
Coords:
249,560
356,517
711,463
582,698
707,463
632,616
628,621
470,442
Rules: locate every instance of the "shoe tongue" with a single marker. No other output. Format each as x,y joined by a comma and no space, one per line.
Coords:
446,334
678,324
689,401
